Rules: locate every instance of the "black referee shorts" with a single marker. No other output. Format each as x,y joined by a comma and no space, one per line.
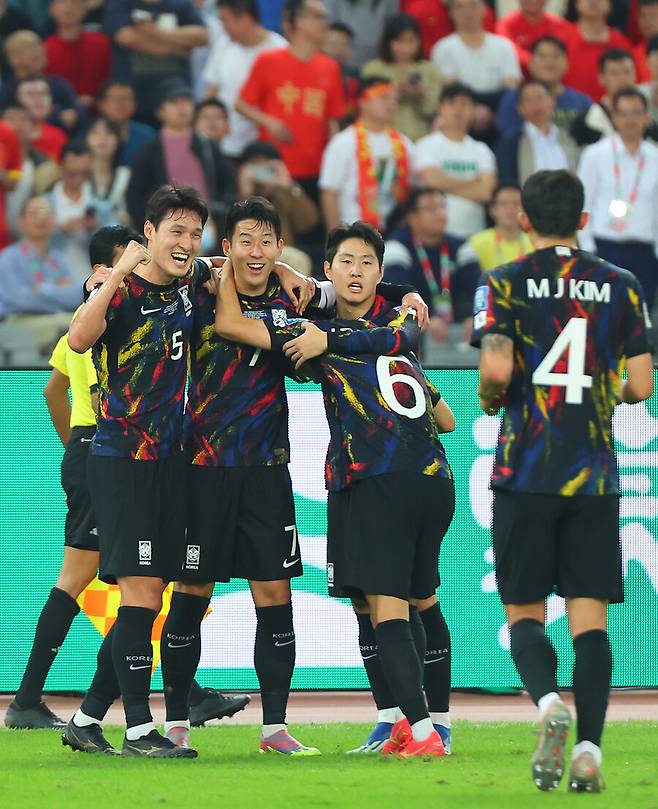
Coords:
384,534
550,543
80,526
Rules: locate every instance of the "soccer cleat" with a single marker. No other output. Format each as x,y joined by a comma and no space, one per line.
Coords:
283,742
400,735
180,736
431,747
216,705
88,739
154,745
374,743
446,737
547,762
39,717
585,775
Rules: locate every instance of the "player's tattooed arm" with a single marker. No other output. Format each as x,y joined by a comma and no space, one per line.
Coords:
496,367
229,320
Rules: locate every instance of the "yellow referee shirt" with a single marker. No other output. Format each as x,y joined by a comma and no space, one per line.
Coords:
492,250
82,375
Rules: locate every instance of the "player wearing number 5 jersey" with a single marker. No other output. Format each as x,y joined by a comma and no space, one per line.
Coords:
556,331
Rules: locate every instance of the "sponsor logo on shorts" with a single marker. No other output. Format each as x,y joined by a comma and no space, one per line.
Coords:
192,557
290,562
144,551
330,574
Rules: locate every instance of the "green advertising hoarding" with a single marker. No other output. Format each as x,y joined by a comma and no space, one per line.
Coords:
32,512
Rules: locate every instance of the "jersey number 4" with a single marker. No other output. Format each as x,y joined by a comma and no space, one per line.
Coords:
574,339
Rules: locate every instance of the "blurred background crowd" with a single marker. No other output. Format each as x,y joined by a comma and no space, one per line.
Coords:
423,117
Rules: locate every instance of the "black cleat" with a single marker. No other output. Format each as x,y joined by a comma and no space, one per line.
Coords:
40,717
88,739
216,705
154,745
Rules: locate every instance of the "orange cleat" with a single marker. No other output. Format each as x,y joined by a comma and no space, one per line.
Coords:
400,735
431,747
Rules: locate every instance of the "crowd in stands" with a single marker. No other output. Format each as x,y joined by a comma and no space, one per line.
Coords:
422,117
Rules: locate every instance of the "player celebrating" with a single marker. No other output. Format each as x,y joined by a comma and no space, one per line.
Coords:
391,490
556,329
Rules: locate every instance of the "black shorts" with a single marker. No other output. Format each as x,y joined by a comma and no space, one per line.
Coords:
550,543
80,526
241,524
140,516
384,534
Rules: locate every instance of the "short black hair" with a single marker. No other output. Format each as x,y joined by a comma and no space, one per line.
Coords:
344,28
259,149
648,2
109,84
630,92
452,91
394,26
210,102
104,242
553,202
75,147
418,193
249,7
357,230
613,55
169,198
114,128
291,10
503,187
552,40
652,44
529,83
257,208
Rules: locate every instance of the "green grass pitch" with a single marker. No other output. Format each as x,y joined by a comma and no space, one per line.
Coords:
489,770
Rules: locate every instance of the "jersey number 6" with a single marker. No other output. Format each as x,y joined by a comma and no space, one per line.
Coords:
386,381
574,338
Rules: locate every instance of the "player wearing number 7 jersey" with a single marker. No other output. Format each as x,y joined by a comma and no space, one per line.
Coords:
556,330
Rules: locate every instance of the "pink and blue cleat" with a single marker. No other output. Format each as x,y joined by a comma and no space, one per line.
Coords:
282,742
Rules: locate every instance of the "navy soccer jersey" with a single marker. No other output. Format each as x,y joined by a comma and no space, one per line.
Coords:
377,400
141,362
573,319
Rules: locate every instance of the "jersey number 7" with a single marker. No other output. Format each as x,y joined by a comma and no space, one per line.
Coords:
574,339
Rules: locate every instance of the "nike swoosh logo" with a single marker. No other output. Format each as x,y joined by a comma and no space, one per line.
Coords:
136,668
368,657
150,311
436,660
287,643
178,645
290,564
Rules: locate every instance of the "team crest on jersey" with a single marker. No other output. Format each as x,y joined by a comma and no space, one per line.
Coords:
184,292
279,317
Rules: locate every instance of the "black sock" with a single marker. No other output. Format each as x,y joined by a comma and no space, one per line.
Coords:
381,691
132,655
417,633
274,659
402,668
437,659
104,688
197,693
534,657
52,627
180,650
591,683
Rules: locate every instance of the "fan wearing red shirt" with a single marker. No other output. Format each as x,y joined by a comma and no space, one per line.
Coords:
435,23
34,95
11,161
295,94
587,40
528,24
83,58
647,20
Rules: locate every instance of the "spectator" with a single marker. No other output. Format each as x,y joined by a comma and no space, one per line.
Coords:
452,162
211,121
81,57
338,44
487,63
295,94
27,56
116,102
367,168
649,89
12,19
586,42
10,169
108,180
34,95
648,26
216,36
152,41
434,19
230,63
37,288
178,156
528,24
505,241
620,175
442,268
540,144
548,63
418,82
366,18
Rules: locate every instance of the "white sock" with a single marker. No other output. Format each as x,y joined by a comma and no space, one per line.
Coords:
183,723
270,730
421,730
389,715
81,720
546,701
398,715
139,731
587,747
439,718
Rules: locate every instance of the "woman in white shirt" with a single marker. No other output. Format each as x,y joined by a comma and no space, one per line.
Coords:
108,180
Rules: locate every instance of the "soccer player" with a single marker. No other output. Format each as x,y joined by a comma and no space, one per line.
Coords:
556,331
391,496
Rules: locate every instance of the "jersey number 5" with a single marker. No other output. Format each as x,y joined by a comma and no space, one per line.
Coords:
386,381
574,338
176,345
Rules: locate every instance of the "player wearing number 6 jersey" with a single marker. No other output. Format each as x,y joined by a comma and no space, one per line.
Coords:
556,330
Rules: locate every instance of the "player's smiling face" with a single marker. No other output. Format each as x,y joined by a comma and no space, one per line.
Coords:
355,272
253,249
175,243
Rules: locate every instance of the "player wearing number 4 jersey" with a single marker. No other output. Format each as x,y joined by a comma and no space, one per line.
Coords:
556,331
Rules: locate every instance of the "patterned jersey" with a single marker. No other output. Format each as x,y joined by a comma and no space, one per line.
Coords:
377,399
574,319
141,361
